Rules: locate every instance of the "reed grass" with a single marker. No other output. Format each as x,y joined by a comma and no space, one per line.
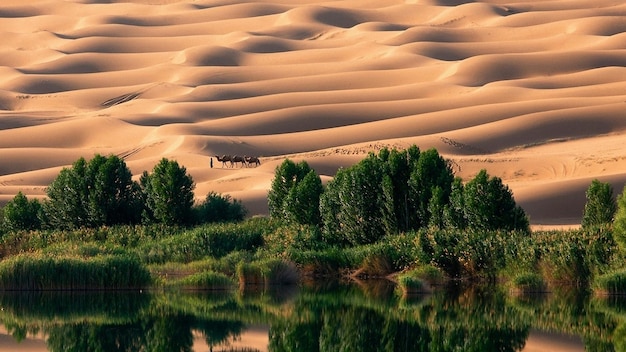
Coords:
206,280
613,283
527,282
38,272
267,272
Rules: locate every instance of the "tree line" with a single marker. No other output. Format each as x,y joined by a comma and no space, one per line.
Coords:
101,192
396,191
391,192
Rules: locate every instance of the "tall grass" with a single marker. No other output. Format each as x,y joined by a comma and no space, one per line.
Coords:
38,272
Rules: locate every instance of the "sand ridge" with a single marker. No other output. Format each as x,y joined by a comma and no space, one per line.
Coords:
532,91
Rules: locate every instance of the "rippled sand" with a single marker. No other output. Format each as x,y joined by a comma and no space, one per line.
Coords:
532,91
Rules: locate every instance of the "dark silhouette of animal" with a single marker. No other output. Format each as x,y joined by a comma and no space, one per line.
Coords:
252,160
237,159
224,159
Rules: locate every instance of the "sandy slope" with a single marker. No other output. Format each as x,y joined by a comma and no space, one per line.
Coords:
533,91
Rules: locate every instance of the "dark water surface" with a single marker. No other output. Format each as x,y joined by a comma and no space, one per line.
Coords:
331,317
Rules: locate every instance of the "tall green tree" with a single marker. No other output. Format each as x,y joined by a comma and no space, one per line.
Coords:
600,206
295,192
431,172
303,200
489,205
22,213
352,207
168,193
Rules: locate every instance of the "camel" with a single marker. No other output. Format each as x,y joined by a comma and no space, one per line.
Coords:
224,159
251,160
237,159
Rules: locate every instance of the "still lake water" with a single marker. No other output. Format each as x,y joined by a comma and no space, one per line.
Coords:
332,317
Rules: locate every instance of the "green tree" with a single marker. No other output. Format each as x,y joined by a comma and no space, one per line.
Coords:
94,193
219,208
68,196
168,193
303,200
619,222
600,207
20,213
294,194
431,172
352,206
489,205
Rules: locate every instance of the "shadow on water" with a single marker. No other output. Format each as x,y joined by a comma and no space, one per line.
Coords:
361,316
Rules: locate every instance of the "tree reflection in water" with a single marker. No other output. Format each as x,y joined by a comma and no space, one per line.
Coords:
332,318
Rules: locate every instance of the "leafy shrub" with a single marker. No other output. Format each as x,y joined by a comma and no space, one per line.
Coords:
219,208
20,213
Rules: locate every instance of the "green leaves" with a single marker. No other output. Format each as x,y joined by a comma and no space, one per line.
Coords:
600,206
94,193
168,193
295,193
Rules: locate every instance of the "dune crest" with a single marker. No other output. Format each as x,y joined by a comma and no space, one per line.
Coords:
531,90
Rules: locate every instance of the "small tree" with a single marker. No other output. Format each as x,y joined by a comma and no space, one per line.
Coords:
168,193
600,207
489,205
20,213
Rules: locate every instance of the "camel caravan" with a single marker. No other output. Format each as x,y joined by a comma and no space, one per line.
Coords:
232,160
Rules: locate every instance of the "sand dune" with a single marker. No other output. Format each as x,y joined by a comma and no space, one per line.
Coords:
533,91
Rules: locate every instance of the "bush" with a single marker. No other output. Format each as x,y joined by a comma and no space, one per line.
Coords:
219,208
619,223
21,214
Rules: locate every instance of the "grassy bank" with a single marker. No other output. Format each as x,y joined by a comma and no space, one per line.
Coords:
262,251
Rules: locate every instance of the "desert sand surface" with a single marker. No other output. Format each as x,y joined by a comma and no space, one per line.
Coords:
532,91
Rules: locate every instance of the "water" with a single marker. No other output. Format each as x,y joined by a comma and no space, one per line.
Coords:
332,317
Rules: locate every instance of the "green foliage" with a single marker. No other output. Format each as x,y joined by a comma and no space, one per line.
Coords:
168,193
392,192
20,213
431,176
302,203
219,208
94,193
295,193
489,205
600,207
612,283
528,282
619,224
